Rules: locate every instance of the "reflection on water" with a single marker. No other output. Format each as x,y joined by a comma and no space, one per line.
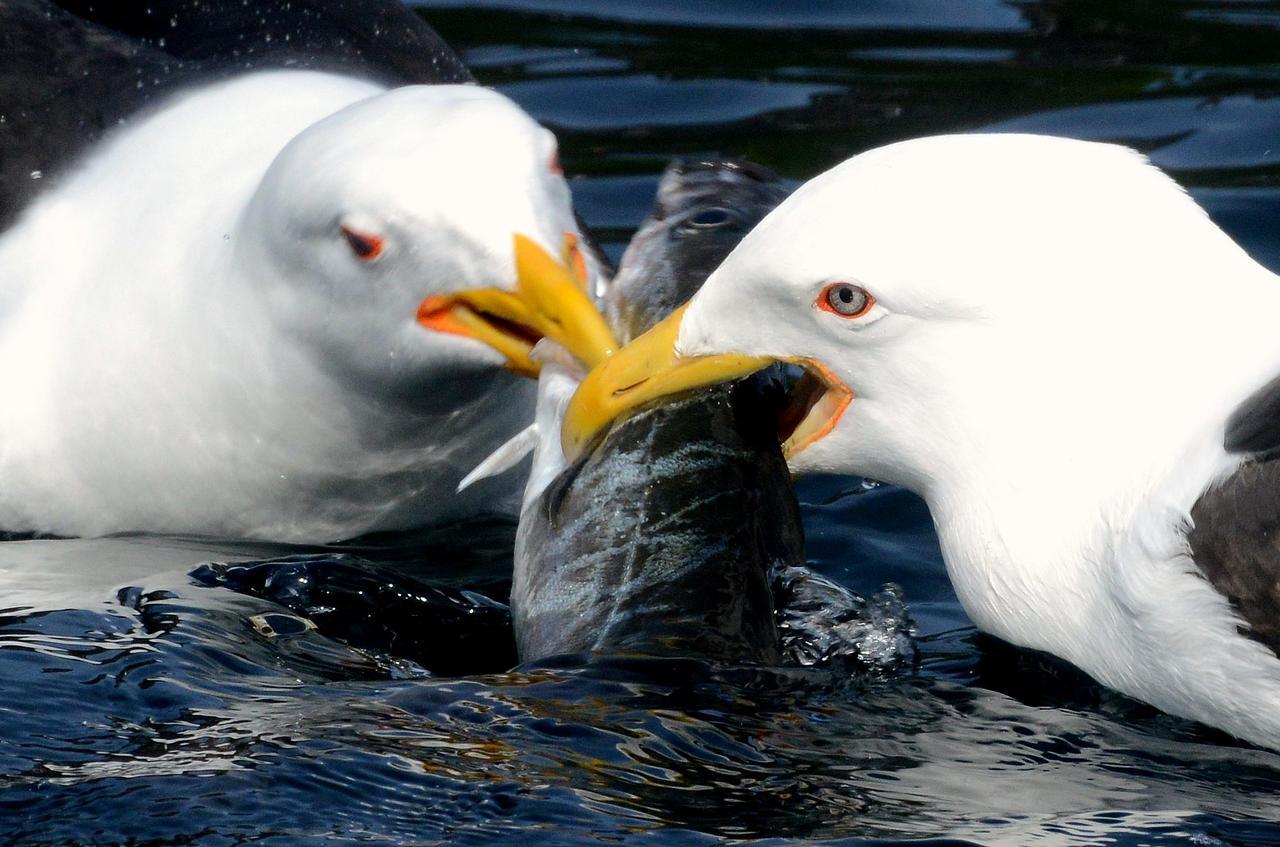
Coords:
177,708
359,693
1178,133
1192,84
658,102
917,15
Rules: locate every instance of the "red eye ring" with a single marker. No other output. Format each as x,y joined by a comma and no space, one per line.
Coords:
366,247
845,300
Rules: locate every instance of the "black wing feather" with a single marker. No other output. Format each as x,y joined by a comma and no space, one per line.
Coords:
1236,544
381,39
1255,426
73,69
63,83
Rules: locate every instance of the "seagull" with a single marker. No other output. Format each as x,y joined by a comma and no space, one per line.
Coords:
1054,345
281,304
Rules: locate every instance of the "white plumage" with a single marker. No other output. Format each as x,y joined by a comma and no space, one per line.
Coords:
1059,337
189,345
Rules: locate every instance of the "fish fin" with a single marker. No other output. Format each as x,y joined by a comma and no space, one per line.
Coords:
548,352
505,457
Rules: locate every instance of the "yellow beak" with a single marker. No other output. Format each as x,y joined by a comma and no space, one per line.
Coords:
549,300
645,370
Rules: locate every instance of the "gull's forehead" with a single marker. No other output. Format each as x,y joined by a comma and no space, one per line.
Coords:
421,146
428,127
966,183
433,160
963,217
427,103
1000,159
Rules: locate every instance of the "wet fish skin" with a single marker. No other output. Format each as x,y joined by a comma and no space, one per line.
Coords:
662,541
677,247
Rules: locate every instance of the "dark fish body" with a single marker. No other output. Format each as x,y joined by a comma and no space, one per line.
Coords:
702,211
662,540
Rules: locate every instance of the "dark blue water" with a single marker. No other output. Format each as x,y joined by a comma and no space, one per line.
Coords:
361,695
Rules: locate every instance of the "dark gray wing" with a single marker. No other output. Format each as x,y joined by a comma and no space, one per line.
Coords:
63,82
1255,426
1236,539
381,39
72,69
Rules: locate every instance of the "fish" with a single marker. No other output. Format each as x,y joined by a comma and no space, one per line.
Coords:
664,539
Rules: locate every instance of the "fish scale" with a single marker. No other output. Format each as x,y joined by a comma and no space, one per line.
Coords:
665,538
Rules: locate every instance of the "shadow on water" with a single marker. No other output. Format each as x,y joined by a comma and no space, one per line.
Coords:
177,691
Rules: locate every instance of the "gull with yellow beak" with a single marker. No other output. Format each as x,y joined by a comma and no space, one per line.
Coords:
1054,345
285,305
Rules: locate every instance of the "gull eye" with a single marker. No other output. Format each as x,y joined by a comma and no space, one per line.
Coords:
366,247
846,300
709,218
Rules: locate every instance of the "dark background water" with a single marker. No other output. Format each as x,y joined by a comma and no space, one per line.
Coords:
358,695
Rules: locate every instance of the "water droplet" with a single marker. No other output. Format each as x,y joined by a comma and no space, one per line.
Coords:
37,174
824,624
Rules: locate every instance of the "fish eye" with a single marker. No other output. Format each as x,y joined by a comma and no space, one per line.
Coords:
846,300
365,246
709,218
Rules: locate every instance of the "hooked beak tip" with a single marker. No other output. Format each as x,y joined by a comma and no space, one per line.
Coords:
647,369
548,299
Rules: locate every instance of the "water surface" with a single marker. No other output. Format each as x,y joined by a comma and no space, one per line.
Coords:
361,694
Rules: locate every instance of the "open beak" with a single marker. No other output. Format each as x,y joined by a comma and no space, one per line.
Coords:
649,369
549,300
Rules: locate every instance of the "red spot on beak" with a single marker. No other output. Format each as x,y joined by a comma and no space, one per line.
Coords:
574,258
554,164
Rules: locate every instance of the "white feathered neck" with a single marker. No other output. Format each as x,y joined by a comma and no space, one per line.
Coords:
1059,338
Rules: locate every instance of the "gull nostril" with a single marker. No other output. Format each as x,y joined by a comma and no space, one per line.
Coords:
618,392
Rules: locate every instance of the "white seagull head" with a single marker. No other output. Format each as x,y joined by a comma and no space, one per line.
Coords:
393,231
993,306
